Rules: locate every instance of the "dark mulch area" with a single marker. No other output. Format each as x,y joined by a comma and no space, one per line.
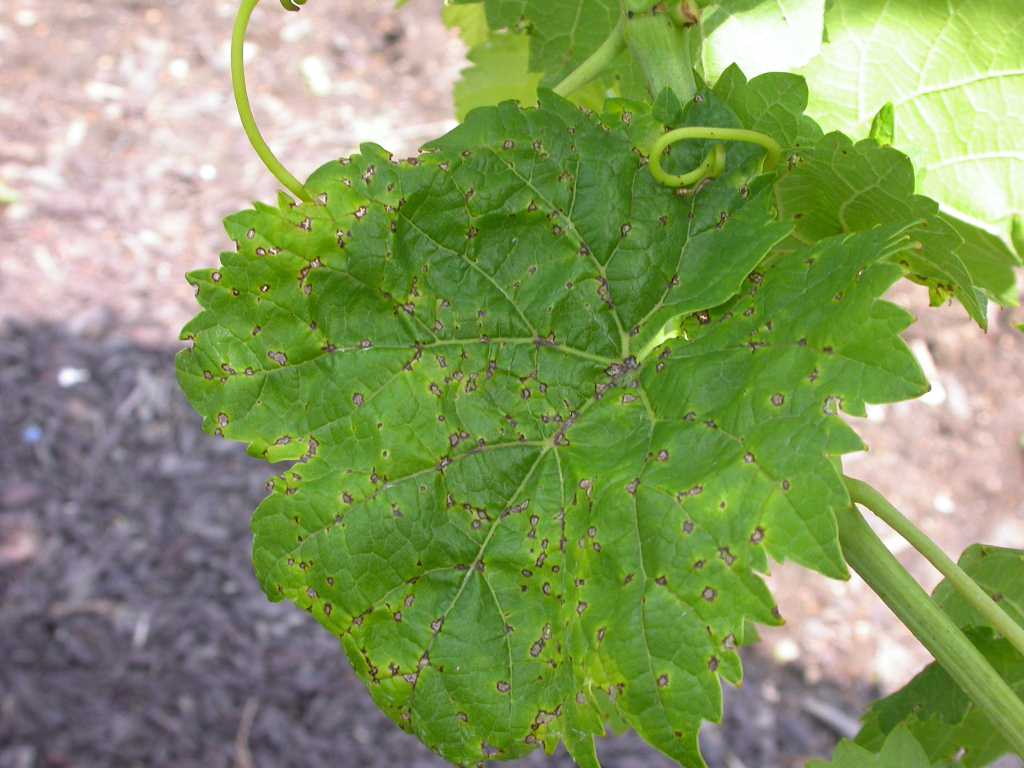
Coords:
133,632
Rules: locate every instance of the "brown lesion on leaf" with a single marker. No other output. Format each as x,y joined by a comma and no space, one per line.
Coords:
832,405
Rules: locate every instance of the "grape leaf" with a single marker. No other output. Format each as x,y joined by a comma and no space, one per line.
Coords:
838,186
470,20
997,570
932,706
561,36
759,36
772,103
499,73
548,420
942,718
957,87
900,750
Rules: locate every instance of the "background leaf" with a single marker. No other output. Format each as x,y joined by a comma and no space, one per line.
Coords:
997,570
957,87
499,72
932,706
900,750
760,36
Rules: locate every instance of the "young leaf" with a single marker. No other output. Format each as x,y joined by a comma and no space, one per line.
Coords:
883,127
548,420
956,85
932,706
773,103
900,750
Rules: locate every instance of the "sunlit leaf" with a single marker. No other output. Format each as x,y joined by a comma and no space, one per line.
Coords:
548,419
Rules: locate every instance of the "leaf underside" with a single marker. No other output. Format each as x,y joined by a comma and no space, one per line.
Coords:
957,86
547,420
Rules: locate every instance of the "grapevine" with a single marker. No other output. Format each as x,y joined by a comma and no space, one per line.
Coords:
556,392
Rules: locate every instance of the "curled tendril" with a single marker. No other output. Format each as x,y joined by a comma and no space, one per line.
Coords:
714,163
293,5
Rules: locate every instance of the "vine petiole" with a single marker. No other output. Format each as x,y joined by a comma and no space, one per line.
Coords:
870,558
596,63
863,494
242,99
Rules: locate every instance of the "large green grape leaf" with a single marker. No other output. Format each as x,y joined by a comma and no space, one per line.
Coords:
900,750
547,419
932,706
838,186
954,71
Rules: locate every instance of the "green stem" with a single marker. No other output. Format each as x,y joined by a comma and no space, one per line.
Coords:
596,63
662,51
711,167
868,497
245,110
868,556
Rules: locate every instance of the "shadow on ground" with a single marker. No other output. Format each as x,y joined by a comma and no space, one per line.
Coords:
134,633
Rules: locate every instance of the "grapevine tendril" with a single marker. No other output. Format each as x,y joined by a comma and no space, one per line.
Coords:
259,144
714,163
